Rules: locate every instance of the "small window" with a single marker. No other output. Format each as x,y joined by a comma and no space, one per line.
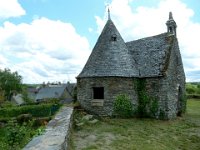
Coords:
98,93
114,37
170,29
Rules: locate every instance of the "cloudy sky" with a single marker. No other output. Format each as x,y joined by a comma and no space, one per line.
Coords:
50,40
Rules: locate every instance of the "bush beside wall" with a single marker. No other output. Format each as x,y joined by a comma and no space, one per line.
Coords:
43,110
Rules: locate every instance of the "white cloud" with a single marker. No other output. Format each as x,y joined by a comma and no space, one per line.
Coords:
3,62
90,30
147,21
10,8
44,50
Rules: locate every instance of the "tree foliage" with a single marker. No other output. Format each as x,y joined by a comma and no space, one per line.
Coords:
2,98
10,82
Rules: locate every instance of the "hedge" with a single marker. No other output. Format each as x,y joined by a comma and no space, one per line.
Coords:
43,110
195,96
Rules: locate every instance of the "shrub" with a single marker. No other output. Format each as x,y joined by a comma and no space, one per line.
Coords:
7,104
190,90
41,121
43,110
123,106
75,94
198,91
24,118
162,114
183,102
147,105
15,134
153,107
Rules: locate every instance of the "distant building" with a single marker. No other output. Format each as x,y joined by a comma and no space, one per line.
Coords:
17,99
114,65
32,92
63,92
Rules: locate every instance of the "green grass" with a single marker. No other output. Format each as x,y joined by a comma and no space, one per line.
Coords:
142,134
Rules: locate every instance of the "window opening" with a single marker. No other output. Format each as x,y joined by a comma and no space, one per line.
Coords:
98,92
170,29
114,37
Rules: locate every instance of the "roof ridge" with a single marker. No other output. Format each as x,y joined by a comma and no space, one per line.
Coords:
153,36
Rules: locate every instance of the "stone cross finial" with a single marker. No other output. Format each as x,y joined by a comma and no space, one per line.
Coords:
170,16
108,13
171,25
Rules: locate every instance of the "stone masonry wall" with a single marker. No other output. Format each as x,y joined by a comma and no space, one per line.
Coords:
113,86
171,87
164,89
170,84
176,79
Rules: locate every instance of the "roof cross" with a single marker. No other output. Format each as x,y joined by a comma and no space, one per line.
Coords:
108,13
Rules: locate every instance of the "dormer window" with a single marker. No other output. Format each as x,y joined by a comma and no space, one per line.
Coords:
114,37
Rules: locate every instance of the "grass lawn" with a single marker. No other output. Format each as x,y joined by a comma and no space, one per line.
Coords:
142,134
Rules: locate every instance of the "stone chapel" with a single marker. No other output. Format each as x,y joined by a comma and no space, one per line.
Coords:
114,64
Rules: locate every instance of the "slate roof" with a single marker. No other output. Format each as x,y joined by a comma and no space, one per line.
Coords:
51,92
147,57
109,57
32,92
151,54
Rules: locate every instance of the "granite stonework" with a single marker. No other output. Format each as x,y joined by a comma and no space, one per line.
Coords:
56,135
113,86
114,64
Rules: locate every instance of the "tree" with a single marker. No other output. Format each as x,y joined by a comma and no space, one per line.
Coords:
10,82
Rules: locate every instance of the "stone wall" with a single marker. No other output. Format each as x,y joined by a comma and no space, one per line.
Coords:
56,135
176,80
113,86
172,85
163,89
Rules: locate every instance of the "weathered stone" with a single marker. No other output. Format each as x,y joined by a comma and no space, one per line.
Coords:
113,86
87,117
97,102
93,121
56,134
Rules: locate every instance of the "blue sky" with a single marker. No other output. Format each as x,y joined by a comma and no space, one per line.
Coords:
50,40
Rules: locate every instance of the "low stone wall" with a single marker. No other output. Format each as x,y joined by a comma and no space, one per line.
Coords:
56,135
